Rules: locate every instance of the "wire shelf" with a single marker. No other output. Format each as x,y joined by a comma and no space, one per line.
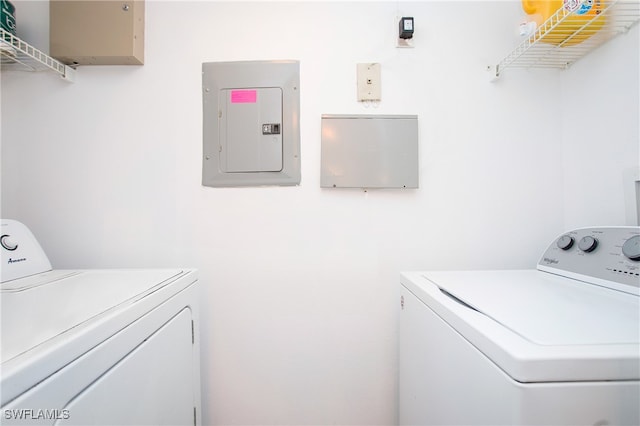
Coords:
16,54
564,38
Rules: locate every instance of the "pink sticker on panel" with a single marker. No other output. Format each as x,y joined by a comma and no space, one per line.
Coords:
244,96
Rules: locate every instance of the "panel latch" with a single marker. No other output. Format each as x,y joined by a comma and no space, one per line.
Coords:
271,129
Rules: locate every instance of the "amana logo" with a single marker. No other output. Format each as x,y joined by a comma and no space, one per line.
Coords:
22,259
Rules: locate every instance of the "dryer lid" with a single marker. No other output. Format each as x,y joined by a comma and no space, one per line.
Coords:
40,308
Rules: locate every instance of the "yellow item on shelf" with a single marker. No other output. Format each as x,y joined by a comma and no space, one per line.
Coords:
570,32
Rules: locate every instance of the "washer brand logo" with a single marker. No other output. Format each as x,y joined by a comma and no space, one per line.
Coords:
30,414
22,259
550,261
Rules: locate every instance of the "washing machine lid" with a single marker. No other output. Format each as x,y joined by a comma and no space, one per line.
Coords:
547,309
537,326
51,305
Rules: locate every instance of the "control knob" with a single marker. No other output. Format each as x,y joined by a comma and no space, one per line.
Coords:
631,248
7,243
565,242
588,244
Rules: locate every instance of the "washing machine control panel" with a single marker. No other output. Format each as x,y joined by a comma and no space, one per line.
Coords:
20,252
607,256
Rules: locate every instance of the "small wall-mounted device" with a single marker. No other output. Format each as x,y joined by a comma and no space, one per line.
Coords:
406,27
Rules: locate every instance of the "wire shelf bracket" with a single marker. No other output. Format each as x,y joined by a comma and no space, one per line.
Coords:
18,55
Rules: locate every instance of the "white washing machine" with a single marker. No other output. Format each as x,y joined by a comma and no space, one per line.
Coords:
559,345
95,347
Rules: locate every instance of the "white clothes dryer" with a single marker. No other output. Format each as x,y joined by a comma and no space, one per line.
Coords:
95,347
559,345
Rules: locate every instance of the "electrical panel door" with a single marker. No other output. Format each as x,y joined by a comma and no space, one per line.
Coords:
250,130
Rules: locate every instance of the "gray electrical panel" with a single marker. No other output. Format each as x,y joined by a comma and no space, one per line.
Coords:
251,132
369,151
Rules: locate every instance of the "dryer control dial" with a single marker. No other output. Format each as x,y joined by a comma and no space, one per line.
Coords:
7,243
20,255
631,248
565,242
588,244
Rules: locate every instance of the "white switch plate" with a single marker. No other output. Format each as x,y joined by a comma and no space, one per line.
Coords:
369,84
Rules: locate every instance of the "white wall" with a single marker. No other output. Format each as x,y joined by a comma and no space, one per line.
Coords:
299,283
601,134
